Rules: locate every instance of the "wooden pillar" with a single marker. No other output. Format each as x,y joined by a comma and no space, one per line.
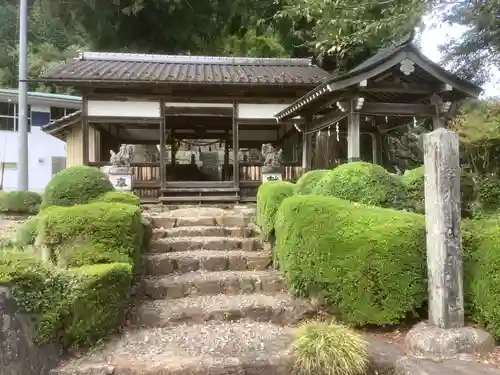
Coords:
173,149
85,131
236,148
306,146
353,135
225,172
163,169
376,148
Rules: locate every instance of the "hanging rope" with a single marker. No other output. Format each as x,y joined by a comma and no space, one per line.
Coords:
195,144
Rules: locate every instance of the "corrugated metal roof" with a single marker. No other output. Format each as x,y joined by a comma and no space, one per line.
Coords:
117,67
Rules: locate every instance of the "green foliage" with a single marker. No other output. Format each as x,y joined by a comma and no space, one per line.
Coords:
19,202
120,197
364,183
92,233
75,185
481,245
329,349
489,193
414,180
307,182
350,30
269,197
26,233
74,307
100,295
367,262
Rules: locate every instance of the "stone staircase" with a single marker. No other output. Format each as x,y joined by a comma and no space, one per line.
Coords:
210,303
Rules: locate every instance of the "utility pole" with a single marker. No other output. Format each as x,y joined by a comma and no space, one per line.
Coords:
22,162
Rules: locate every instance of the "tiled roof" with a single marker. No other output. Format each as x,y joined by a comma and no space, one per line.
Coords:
138,68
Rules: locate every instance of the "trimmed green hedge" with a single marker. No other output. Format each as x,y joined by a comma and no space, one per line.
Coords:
364,183
120,197
92,233
19,202
269,197
414,179
100,298
76,185
307,182
481,247
367,262
26,234
74,307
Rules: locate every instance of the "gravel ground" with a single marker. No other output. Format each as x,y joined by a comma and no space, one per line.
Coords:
8,227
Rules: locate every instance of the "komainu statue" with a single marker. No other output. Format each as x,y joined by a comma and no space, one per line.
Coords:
272,157
123,158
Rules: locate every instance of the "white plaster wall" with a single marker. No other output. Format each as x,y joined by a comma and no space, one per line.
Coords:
112,108
41,148
257,111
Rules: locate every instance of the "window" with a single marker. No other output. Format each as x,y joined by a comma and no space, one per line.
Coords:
9,117
58,164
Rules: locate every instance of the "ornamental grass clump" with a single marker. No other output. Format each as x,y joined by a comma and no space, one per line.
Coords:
322,348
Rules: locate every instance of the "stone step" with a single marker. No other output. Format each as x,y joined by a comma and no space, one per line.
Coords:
166,220
210,283
278,309
164,245
203,231
206,260
215,348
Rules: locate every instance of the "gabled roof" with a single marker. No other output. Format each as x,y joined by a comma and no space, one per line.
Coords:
381,62
96,67
57,128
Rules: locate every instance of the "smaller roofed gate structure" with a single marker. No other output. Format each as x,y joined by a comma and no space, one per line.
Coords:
197,124
395,87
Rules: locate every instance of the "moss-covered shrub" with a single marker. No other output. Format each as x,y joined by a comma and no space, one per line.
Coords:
19,202
307,182
100,294
92,233
414,179
75,307
328,349
364,183
75,185
120,197
481,245
269,197
368,263
26,233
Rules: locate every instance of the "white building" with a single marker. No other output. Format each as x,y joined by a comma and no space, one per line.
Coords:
46,154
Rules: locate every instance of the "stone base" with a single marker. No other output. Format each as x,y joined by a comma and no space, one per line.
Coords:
431,342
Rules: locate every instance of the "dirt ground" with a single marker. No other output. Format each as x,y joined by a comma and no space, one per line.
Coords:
8,226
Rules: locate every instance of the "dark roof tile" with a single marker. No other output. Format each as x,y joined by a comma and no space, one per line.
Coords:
188,69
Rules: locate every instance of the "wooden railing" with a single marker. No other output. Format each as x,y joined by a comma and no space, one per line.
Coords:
252,171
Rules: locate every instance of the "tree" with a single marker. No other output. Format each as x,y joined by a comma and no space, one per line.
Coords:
349,31
478,50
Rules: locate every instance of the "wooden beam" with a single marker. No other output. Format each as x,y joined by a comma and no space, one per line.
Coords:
199,111
402,88
397,109
85,131
163,167
326,120
236,144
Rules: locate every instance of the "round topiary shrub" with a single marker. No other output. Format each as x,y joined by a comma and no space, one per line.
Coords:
120,197
364,183
19,202
269,197
329,349
26,233
76,185
307,182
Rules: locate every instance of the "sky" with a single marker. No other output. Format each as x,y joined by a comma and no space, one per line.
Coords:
432,37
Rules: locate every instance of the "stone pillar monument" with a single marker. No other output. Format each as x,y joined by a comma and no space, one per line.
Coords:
444,335
272,169
120,171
